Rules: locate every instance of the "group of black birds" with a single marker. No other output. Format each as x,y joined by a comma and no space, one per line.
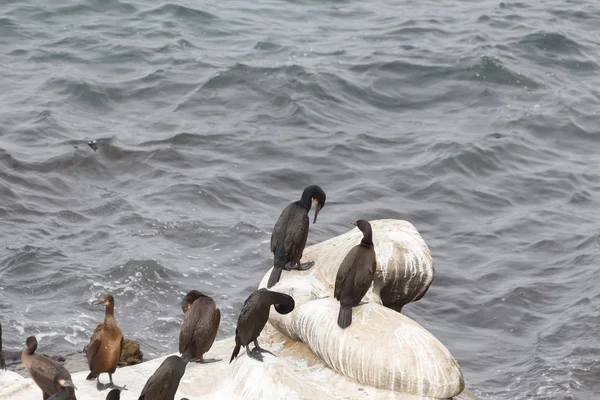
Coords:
202,317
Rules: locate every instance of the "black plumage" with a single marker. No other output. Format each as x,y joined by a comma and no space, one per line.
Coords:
290,233
43,371
355,274
253,318
163,384
199,328
64,386
114,394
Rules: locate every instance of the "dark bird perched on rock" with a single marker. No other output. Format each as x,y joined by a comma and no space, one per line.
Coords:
355,275
254,317
199,328
290,233
51,377
163,384
105,347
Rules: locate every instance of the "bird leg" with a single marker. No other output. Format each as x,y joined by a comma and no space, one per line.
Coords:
254,354
260,349
113,386
305,266
100,386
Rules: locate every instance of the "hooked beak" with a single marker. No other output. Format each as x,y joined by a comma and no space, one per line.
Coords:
99,301
68,383
317,209
353,223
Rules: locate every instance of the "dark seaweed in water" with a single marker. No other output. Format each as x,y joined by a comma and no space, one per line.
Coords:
476,121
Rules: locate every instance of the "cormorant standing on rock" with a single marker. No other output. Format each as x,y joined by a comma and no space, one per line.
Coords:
355,274
48,374
289,235
163,384
104,350
199,328
254,317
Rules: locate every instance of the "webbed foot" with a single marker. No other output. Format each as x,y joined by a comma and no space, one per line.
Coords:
208,361
305,266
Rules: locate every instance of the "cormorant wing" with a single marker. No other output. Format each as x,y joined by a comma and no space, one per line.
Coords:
343,271
95,342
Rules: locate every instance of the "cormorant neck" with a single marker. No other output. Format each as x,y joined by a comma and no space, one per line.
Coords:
367,239
306,200
109,316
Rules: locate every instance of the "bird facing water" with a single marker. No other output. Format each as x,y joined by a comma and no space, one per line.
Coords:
253,318
106,344
290,233
199,328
355,274
49,375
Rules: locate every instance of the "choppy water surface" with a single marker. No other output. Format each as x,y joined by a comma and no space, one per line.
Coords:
475,120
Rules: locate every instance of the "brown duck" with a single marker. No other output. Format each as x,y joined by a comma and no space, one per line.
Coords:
355,275
106,344
49,375
199,328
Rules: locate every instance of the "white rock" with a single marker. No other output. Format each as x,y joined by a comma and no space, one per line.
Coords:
382,347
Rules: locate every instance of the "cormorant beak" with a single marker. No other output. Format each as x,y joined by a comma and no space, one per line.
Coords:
101,300
317,209
352,223
68,383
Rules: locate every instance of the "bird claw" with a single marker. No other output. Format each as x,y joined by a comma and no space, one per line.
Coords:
208,361
305,266
288,267
260,349
255,353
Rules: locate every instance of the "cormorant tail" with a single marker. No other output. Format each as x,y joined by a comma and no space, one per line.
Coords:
345,317
274,277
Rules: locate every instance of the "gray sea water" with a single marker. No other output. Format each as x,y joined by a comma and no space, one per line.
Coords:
477,121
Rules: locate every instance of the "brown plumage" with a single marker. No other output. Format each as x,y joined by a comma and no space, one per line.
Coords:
43,371
199,328
290,233
105,346
355,274
163,384
254,317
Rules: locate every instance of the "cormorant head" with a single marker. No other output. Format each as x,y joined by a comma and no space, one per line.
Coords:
105,299
318,197
189,299
31,344
62,381
363,225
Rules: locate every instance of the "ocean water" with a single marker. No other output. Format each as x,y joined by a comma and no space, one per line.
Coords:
477,121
